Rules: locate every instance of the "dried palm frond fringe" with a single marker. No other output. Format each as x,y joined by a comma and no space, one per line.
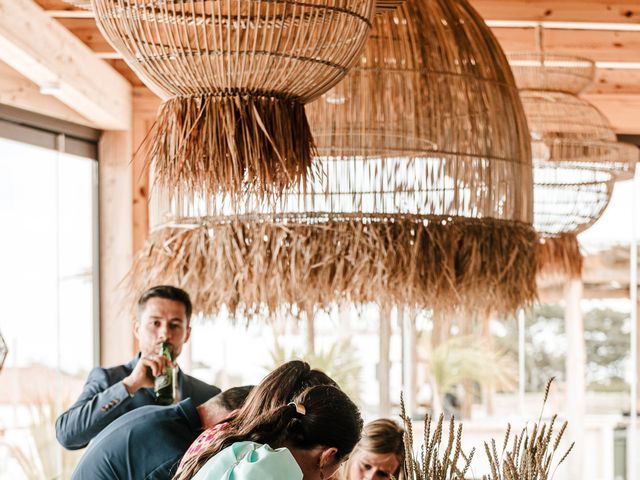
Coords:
237,74
559,255
532,452
254,264
210,144
432,463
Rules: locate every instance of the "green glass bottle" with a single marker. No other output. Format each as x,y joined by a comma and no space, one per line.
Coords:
163,385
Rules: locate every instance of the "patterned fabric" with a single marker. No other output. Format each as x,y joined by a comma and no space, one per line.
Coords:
250,461
205,439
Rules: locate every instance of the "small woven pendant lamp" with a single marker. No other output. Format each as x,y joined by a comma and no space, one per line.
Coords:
235,75
576,156
424,197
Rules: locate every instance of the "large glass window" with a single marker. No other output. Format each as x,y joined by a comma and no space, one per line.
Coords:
48,247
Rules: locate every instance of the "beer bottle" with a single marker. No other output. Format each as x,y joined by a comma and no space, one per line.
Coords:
163,385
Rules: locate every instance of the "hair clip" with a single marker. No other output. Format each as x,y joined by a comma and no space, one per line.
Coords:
299,408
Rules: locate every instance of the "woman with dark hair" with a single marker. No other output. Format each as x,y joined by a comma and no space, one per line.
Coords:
305,439
378,455
275,414
276,389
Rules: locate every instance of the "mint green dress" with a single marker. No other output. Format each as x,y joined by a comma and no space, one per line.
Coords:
250,461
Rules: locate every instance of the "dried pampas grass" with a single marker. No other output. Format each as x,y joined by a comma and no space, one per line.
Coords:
433,463
532,455
559,255
210,144
254,264
532,452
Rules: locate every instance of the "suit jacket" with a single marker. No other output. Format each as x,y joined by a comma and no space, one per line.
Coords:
146,443
104,398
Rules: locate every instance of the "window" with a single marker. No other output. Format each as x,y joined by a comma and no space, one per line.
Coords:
48,248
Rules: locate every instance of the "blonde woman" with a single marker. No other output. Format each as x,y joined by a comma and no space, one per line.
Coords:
378,455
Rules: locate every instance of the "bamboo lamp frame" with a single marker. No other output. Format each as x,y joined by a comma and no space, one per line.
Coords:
235,76
576,156
423,198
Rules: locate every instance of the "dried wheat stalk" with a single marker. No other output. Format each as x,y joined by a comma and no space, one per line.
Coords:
532,454
437,460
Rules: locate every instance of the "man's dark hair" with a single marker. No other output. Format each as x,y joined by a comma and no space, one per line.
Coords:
233,398
170,293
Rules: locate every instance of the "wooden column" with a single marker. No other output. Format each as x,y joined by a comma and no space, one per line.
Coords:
145,109
384,362
488,391
575,370
311,332
638,356
409,359
116,337
124,225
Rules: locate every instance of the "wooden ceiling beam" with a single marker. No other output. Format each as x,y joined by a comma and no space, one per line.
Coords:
616,80
87,31
46,53
627,11
19,92
621,109
597,45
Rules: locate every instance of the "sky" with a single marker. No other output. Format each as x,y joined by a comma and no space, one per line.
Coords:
616,224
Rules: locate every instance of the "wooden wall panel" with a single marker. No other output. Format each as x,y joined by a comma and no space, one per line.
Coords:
116,336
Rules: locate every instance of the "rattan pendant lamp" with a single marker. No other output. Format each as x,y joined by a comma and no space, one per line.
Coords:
576,156
424,197
235,75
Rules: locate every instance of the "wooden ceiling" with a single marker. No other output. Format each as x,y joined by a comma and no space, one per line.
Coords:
605,31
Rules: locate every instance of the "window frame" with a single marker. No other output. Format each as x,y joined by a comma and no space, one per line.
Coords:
65,137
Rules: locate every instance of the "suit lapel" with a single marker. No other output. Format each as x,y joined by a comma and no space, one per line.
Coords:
185,386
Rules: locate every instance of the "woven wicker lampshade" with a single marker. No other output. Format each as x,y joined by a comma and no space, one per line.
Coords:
235,76
576,156
424,197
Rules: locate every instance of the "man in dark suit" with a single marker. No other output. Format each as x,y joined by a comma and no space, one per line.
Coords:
149,442
164,313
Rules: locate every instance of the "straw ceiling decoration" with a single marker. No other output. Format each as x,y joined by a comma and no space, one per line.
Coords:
576,155
235,76
424,197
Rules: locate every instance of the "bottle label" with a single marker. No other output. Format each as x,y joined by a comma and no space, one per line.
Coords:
163,381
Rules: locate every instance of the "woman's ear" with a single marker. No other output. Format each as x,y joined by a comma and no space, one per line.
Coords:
328,457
